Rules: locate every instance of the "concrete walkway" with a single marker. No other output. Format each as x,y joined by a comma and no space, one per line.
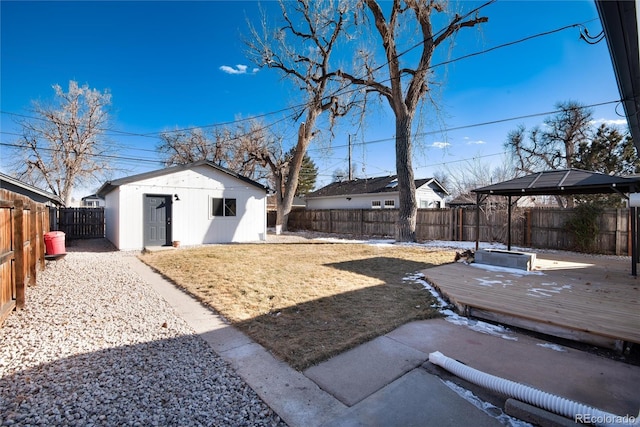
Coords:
389,381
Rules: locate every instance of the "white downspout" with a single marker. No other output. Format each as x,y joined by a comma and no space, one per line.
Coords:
573,410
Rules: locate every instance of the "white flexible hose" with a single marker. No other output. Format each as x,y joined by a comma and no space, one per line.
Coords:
573,410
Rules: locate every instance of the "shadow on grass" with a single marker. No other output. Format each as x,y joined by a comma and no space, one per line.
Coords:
383,268
308,333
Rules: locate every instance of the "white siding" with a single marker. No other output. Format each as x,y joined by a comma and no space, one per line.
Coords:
112,218
191,219
427,198
358,201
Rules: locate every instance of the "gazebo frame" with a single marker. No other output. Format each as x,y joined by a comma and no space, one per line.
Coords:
564,182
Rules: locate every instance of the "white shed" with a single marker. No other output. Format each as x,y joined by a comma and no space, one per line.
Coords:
194,204
375,193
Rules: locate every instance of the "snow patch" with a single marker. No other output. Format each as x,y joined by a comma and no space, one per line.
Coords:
554,347
513,271
553,288
486,407
452,317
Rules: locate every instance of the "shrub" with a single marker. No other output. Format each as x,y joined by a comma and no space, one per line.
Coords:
584,224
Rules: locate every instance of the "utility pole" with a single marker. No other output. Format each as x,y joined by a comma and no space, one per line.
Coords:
350,171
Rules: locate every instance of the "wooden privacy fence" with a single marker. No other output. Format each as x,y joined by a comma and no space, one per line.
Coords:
542,228
23,224
81,223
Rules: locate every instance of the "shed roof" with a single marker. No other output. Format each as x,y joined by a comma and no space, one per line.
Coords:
109,186
563,182
382,184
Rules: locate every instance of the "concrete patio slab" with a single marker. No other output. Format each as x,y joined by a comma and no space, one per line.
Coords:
360,372
416,399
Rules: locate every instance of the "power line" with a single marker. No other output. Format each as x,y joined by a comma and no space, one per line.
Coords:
105,156
487,123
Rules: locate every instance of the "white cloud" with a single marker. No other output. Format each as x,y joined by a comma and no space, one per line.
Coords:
478,142
239,69
610,122
438,144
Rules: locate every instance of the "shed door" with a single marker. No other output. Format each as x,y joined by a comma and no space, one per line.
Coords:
157,220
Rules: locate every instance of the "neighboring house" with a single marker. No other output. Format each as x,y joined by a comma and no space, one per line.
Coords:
194,204
92,201
375,193
35,194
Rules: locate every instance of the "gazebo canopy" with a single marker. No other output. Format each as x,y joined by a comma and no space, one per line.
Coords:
562,182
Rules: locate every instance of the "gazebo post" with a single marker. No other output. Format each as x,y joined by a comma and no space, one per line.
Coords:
509,224
477,220
633,217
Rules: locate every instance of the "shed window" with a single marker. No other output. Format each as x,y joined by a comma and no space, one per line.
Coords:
376,204
223,207
389,204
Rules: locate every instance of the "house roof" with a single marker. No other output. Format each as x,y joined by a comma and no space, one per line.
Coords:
465,199
383,184
34,193
562,182
620,24
92,196
109,186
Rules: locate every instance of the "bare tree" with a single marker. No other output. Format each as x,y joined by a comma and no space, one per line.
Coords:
301,50
230,146
405,87
188,146
64,143
552,146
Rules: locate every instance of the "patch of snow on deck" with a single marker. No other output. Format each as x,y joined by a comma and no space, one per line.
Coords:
513,271
552,288
484,281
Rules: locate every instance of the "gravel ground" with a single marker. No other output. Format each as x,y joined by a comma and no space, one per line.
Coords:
96,345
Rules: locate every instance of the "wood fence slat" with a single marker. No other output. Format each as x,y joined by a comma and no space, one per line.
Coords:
18,248
23,223
33,244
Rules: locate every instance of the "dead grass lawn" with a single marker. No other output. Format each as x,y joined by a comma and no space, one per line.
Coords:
306,302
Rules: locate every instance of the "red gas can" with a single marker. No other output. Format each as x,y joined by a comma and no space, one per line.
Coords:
54,243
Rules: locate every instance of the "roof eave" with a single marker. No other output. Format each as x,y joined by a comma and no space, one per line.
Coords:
620,24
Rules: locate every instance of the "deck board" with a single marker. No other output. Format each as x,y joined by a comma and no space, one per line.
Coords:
587,294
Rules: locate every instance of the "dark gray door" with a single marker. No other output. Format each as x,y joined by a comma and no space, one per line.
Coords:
157,220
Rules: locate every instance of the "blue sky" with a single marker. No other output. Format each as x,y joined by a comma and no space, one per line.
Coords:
175,64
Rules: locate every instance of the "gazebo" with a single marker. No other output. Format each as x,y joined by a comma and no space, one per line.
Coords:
564,182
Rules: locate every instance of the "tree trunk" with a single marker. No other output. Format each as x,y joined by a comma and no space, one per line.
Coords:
282,216
305,134
406,226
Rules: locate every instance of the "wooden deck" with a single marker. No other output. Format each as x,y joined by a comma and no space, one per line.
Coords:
584,298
